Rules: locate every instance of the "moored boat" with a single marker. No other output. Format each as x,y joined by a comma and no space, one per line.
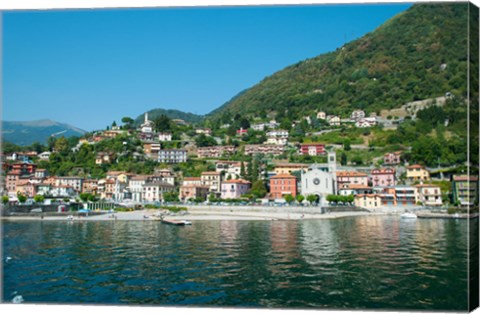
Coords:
408,216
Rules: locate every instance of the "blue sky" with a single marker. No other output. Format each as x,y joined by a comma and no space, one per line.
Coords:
91,67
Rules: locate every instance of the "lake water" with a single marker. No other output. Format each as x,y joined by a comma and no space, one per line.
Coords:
375,262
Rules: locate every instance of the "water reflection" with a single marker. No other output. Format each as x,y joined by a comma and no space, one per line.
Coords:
358,262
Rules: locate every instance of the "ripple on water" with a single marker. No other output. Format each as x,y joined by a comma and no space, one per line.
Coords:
360,262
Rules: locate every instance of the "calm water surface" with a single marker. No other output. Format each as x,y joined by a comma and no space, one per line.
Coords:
357,262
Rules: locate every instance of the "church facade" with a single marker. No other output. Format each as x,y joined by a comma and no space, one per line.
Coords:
320,180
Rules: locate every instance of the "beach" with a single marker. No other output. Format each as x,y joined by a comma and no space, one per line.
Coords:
203,213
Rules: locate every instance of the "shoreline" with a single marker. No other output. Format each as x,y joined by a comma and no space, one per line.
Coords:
196,215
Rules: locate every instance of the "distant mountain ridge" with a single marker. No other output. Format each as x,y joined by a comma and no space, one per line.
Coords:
171,113
418,54
25,133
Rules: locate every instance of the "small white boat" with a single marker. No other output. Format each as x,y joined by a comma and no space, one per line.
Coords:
408,216
69,217
186,222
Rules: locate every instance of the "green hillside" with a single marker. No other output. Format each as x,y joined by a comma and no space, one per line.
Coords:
419,54
171,113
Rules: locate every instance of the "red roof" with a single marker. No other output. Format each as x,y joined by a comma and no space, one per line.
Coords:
465,178
237,181
351,174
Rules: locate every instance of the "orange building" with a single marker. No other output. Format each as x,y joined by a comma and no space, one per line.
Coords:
283,184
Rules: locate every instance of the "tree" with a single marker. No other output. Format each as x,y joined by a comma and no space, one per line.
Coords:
127,122
242,170
343,159
61,145
4,199
288,198
300,198
170,197
346,144
39,198
203,141
162,123
85,197
21,198
331,198
114,124
312,198
258,189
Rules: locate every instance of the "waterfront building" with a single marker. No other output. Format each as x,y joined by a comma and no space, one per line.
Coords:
312,149
62,191
135,187
429,194
369,201
234,188
25,188
383,177
465,189
317,181
190,181
353,189
153,191
90,186
74,182
283,184
172,156
351,177
188,192
212,179
392,158
23,167
417,173
405,195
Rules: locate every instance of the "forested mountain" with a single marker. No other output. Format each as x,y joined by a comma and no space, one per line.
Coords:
418,54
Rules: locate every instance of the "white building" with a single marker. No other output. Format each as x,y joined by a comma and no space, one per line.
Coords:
318,181
333,120
357,114
44,155
172,156
153,191
147,125
164,137
321,115
366,122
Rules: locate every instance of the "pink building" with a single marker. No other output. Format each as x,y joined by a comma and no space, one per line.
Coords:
383,177
234,188
392,158
351,177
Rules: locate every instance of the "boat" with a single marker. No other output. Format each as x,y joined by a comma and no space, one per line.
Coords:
70,217
408,216
176,222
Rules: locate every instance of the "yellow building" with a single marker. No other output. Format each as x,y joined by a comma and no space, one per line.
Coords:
417,173
369,201
288,168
